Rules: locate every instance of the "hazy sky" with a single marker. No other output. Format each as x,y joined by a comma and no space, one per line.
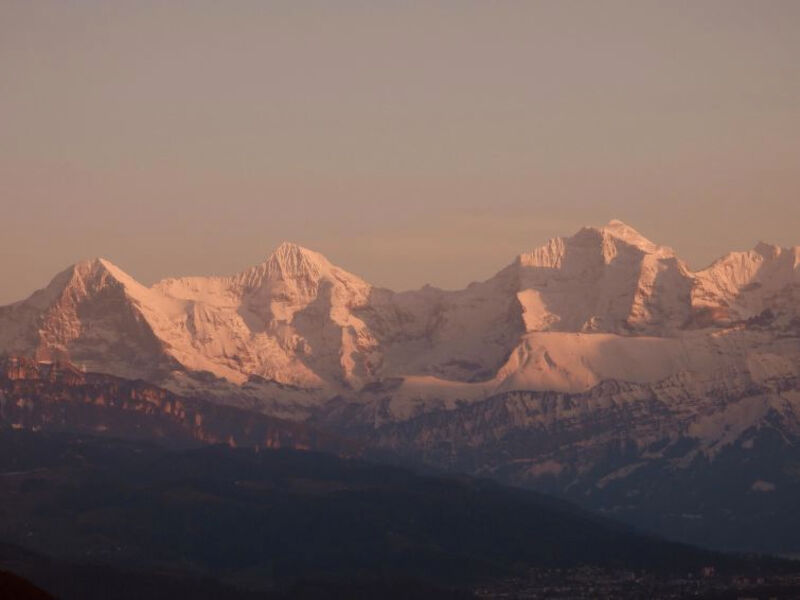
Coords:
411,142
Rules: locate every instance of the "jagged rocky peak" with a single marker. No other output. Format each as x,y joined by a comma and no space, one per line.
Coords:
767,250
594,243
292,278
602,279
764,264
789,258
82,279
92,267
288,261
614,233
622,231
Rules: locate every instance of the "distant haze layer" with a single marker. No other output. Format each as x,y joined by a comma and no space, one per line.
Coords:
411,143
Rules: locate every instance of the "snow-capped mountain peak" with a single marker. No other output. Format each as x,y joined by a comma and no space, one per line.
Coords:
290,260
623,231
103,272
85,278
608,278
591,245
292,264
614,233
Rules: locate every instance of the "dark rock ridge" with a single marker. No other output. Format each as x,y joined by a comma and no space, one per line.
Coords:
56,396
717,465
264,520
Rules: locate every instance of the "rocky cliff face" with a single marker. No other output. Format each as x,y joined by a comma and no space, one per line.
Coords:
59,397
92,313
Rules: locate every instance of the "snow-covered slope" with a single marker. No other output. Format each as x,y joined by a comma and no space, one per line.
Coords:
291,333
608,279
761,284
288,319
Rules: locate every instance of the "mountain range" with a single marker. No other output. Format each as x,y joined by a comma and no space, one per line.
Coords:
296,330
597,367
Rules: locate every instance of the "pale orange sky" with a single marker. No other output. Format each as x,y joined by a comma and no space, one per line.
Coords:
409,142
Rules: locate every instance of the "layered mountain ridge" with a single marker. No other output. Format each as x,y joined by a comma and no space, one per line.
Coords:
599,367
58,397
295,331
707,460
